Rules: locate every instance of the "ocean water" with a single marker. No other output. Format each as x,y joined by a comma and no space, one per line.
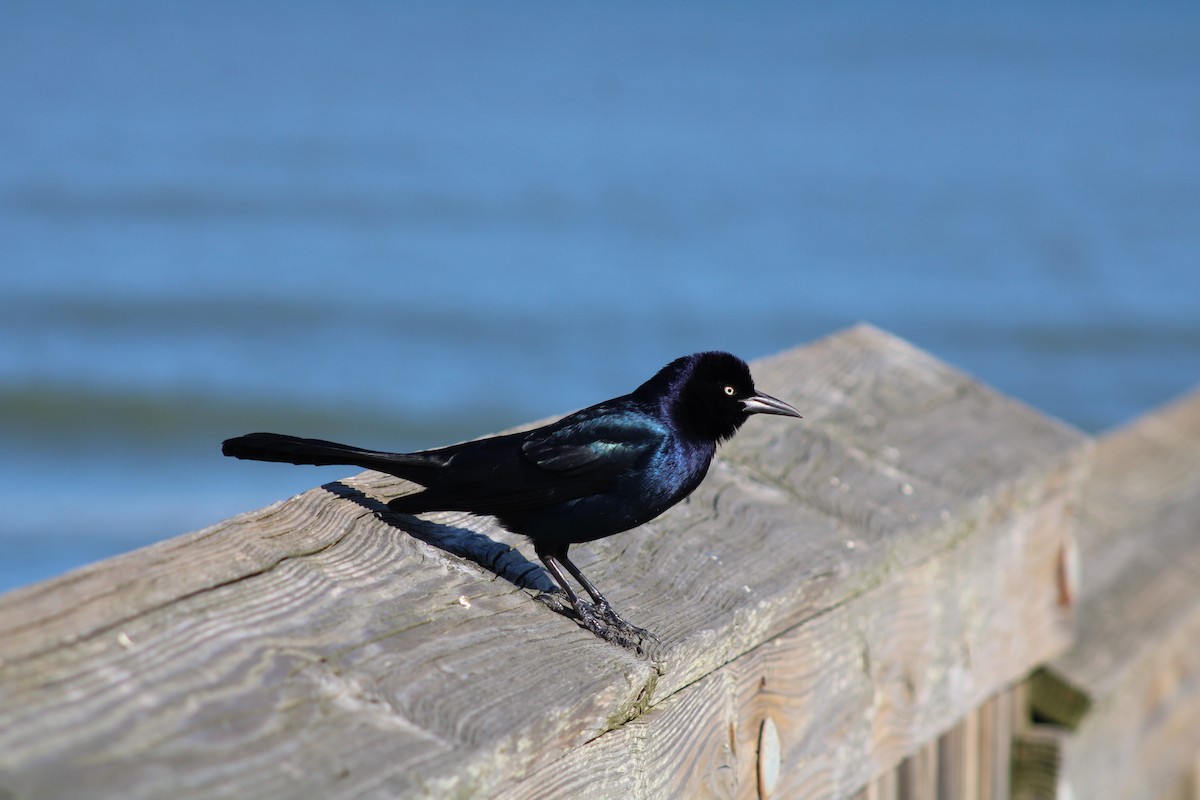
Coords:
403,224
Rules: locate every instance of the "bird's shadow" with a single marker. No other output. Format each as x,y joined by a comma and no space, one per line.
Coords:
498,558
503,561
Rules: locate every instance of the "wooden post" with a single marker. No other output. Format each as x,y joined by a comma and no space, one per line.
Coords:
838,594
1123,704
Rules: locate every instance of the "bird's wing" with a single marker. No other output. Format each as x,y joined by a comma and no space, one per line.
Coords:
599,446
578,456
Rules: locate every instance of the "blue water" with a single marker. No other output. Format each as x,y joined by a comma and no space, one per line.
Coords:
402,224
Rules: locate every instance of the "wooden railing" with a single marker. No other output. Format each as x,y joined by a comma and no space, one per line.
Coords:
850,606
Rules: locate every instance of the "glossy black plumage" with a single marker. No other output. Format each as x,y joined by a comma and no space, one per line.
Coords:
594,473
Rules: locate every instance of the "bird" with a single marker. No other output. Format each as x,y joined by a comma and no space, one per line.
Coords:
594,473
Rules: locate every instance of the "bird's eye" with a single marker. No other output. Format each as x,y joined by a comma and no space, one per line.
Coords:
729,390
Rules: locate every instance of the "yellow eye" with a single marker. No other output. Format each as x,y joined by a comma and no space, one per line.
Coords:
729,390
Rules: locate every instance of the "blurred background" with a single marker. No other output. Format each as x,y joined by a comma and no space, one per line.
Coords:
405,224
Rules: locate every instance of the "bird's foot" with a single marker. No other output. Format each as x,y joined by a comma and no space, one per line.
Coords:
610,616
602,621
556,601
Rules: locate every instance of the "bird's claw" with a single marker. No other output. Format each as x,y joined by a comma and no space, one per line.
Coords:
604,622
609,615
601,620
556,601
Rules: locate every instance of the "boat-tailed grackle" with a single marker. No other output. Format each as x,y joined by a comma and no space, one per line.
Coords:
591,474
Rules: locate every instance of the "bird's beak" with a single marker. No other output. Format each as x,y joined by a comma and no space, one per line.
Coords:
765,404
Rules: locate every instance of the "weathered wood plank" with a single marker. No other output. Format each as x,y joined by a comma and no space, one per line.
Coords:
882,566
1129,688
853,689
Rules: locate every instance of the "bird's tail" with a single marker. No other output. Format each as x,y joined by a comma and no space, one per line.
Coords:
318,452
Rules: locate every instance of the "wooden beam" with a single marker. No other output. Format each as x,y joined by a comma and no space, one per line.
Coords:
858,581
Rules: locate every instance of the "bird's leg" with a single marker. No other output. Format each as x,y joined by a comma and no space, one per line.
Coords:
603,607
600,618
588,615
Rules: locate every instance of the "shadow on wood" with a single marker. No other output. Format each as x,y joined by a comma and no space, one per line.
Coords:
498,558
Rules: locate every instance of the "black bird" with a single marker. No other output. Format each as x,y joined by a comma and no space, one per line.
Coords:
591,474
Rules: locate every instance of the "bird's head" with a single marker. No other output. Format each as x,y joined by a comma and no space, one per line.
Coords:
709,395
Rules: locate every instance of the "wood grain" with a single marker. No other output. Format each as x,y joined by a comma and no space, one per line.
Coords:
865,578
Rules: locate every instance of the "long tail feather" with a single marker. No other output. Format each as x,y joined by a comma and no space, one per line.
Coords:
318,452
